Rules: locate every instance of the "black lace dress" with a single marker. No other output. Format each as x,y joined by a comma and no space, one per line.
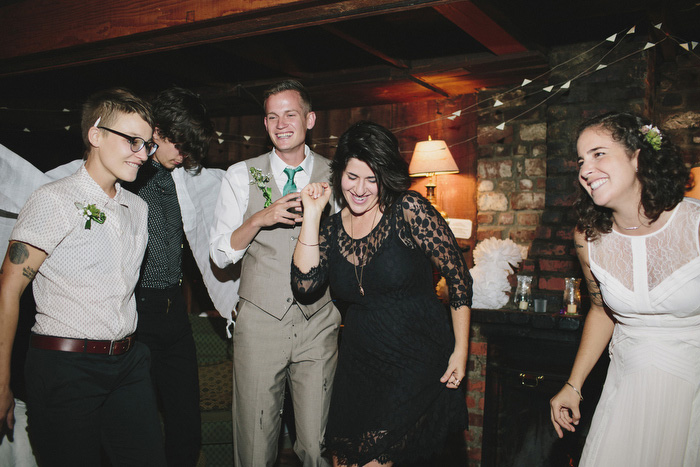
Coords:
388,402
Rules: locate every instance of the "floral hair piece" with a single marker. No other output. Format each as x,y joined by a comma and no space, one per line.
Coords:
653,136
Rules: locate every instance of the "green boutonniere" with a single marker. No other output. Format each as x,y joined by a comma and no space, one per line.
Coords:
260,180
91,213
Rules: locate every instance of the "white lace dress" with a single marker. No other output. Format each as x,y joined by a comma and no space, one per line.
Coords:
649,411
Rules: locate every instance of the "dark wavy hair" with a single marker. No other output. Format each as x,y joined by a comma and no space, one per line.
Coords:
181,118
107,105
379,149
662,173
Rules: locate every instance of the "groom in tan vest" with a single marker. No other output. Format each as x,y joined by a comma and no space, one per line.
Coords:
276,339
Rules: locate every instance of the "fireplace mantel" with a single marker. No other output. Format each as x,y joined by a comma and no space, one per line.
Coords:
529,356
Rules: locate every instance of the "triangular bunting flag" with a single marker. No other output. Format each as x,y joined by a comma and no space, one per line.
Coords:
497,103
457,113
221,141
452,117
66,110
246,137
685,46
658,26
26,130
632,30
218,133
649,45
67,127
694,44
501,126
548,88
612,38
600,67
566,85
525,82
333,137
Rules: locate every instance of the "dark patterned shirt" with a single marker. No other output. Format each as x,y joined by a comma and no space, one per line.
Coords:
162,266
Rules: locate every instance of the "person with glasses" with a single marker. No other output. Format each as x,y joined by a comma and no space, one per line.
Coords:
81,240
182,133
277,340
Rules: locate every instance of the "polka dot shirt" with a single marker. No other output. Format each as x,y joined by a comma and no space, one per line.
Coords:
85,286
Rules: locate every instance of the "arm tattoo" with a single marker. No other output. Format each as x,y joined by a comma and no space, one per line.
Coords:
594,292
29,273
578,245
18,253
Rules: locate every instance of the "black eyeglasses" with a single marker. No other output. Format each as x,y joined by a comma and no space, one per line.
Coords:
136,142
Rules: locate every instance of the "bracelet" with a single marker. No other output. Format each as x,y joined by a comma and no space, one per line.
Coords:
577,391
307,244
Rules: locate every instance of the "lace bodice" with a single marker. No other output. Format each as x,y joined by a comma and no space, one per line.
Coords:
640,274
417,225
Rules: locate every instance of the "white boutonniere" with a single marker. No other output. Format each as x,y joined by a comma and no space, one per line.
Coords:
90,213
260,180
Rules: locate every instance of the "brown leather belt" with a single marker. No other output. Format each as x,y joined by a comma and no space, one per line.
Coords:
66,344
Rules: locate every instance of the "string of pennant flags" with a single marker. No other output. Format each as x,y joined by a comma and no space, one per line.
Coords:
497,100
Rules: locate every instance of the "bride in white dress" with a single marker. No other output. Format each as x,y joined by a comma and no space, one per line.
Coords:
637,239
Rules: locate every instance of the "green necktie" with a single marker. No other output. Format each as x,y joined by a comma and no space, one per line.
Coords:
290,186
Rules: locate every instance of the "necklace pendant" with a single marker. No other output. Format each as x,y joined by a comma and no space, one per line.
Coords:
362,291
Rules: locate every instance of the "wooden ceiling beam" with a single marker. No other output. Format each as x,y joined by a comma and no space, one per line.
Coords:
366,47
481,27
400,64
42,35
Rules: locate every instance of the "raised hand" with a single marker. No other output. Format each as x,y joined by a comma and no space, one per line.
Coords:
314,197
286,210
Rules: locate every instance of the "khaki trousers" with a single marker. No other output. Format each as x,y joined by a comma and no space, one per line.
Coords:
267,353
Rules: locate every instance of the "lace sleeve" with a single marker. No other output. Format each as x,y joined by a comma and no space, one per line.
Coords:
427,229
316,278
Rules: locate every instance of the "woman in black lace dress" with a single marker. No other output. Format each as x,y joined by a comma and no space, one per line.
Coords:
403,356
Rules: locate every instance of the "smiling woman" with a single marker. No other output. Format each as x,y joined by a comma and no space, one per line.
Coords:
396,393
637,240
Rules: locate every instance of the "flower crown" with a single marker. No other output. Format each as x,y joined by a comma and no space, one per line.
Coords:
653,136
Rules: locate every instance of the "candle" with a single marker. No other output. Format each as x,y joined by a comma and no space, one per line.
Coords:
571,308
523,305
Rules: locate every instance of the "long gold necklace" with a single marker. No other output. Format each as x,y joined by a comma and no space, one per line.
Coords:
354,258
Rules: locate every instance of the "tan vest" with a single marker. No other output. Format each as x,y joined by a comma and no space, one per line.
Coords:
265,273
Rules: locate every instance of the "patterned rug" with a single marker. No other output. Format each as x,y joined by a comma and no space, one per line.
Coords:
215,386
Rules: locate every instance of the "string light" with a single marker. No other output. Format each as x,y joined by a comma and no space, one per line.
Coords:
499,99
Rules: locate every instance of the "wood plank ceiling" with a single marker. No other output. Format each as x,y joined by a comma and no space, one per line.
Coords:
348,53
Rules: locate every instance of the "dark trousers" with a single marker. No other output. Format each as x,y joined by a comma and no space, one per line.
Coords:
165,328
78,402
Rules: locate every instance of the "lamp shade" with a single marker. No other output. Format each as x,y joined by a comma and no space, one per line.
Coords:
431,157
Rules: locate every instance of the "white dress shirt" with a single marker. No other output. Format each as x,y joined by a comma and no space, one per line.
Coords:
233,203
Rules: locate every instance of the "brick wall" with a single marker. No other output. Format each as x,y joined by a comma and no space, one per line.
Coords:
527,174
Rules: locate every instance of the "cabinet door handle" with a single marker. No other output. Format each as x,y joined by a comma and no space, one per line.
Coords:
529,380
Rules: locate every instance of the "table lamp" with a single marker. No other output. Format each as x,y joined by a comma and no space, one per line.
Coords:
430,158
